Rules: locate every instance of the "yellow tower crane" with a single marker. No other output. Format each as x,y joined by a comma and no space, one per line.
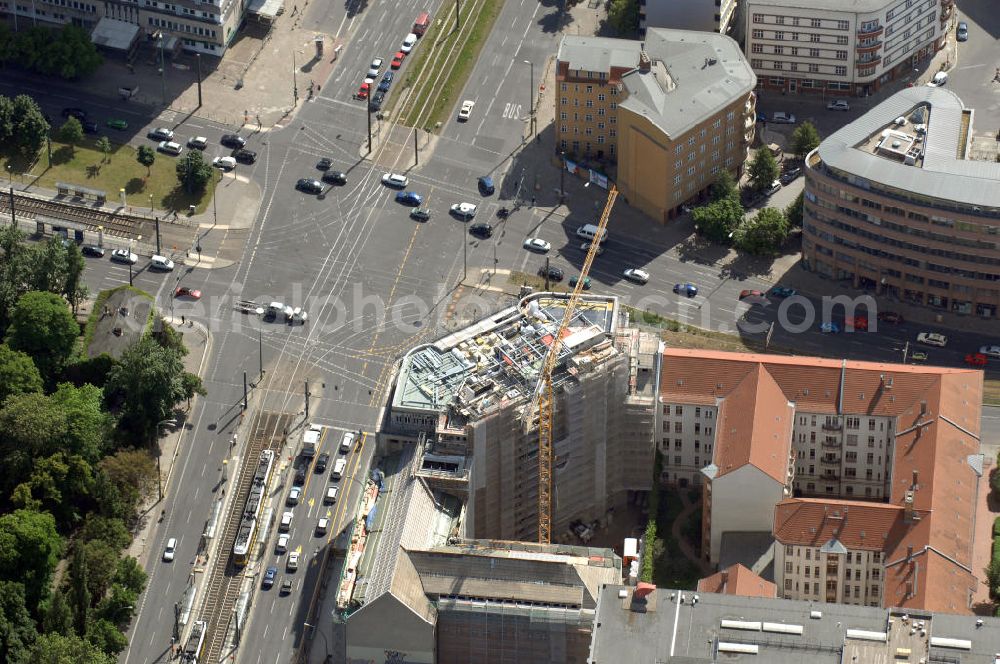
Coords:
544,389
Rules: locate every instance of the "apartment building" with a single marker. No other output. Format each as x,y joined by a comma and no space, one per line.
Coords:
704,15
876,461
853,48
671,112
894,206
202,26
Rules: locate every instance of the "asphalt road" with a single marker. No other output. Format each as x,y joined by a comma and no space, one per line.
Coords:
978,60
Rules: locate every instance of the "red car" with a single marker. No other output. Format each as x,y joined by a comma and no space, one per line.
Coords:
744,294
859,323
397,60
184,291
364,90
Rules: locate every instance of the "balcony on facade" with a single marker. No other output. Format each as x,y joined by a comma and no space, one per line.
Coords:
870,30
830,460
833,425
868,48
831,443
868,62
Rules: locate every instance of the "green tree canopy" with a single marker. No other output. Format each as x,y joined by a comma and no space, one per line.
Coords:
623,15
104,145
717,220
145,386
57,616
29,550
43,327
763,234
18,373
805,139
724,187
48,266
69,54
107,529
132,472
105,635
79,589
146,156
7,117
794,212
71,132
193,171
130,575
763,170
17,627
30,126
60,484
59,649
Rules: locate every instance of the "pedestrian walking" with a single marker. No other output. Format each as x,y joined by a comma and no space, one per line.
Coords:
182,320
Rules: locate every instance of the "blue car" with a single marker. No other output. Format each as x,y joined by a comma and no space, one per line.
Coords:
761,117
385,82
409,198
690,290
486,187
269,576
781,291
829,328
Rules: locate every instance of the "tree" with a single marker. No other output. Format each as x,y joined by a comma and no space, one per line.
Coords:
193,171
6,111
716,221
71,132
623,15
17,628
59,649
805,139
29,550
79,589
993,577
102,561
145,386
106,636
18,374
130,575
104,145
60,484
762,235
57,616
43,327
763,170
146,156
724,187
133,471
73,287
110,530
118,605
794,212
68,54
30,126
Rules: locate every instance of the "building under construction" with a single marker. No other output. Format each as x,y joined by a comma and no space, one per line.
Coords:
469,399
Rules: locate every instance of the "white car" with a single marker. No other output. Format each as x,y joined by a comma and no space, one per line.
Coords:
932,339
169,147
939,79
170,549
161,263
408,43
537,244
282,545
198,142
585,246
838,105
990,351
395,180
124,256
773,189
225,163
322,525
293,561
375,68
161,134
636,275
464,210
294,495
780,117
466,110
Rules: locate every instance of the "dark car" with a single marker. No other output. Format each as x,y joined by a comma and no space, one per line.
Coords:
245,156
269,576
334,177
286,587
92,250
481,230
77,113
309,185
962,34
790,175
90,127
554,273
324,164
300,475
420,214
689,290
486,187
409,198
322,462
377,100
385,82
891,317
233,141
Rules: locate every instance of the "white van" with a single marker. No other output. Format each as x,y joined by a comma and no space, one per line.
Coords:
331,495
589,231
161,263
346,441
338,468
286,522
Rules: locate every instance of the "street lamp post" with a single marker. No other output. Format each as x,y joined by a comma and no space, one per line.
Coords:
562,176
159,473
295,82
163,80
531,97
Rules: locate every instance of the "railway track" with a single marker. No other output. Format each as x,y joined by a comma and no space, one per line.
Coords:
225,580
118,225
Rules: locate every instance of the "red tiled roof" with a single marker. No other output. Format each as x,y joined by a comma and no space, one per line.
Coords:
855,524
737,580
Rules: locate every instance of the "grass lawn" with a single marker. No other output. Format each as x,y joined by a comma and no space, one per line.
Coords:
991,391
536,282
442,39
86,166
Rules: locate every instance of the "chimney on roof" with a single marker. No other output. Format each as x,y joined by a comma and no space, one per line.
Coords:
916,475
725,579
909,552
923,406
644,589
644,62
909,514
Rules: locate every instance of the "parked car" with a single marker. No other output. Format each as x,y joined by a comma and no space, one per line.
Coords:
744,294
395,180
962,33
483,231
71,112
829,328
411,198
161,134
198,142
857,324
932,339
537,244
773,189
225,163
309,186
637,275
386,81
890,317
554,273
420,214
90,127
334,177
169,147
408,43
689,290
486,187
939,79
245,156
92,250
118,123
782,291
838,105
464,211
377,100
466,111
574,279
990,351
375,68
324,164
270,574
365,89
184,291
790,175
234,141
780,117
124,256
585,246
397,60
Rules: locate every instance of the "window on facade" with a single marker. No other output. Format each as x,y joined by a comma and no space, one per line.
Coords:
788,568
840,71
779,35
678,428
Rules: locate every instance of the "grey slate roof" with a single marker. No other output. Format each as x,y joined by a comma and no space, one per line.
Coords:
860,6
598,53
701,89
943,174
